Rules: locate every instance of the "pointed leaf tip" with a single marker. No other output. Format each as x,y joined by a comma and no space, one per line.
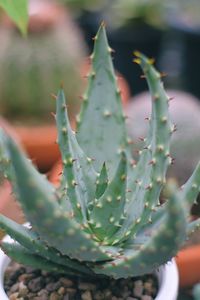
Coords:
103,24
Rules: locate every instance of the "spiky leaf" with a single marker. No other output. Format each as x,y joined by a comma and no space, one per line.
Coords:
101,119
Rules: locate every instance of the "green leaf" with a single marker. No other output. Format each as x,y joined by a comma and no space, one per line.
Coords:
17,11
102,182
26,257
108,210
28,239
190,190
78,173
49,220
159,249
101,126
149,174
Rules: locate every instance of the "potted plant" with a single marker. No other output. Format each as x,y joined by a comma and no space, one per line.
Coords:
104,220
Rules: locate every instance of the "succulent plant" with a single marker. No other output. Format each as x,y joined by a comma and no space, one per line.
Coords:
105,218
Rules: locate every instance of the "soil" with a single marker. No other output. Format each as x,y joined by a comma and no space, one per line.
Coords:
24,283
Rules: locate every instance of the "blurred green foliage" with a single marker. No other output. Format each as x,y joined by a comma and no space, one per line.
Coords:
18,12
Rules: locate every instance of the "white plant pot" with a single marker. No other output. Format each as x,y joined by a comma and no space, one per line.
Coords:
167,277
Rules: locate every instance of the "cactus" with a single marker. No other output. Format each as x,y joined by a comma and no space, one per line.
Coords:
33,67
105,218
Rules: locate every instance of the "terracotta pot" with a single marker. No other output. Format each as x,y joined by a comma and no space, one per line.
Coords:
55,173
40,144
167,278
188,263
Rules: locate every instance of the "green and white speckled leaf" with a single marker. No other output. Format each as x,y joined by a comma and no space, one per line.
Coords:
148,178
159,249
101,127
191,188
101,182
26,257
54,226
108,209
78,173
29,239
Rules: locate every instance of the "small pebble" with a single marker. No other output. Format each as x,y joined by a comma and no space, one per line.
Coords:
36,284
13,296
30,284
66,282
14,288
138,288
86,295
146,297
99,295
43,295
55,296
86,286
23,290
53,286
61,290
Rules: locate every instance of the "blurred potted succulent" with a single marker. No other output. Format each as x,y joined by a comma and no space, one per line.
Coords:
104,222
33,66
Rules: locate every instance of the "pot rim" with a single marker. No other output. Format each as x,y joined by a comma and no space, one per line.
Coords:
167,277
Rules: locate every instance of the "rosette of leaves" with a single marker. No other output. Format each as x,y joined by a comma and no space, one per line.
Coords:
105,218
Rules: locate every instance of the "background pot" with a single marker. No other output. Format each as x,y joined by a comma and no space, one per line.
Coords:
40,144
188,263
167,277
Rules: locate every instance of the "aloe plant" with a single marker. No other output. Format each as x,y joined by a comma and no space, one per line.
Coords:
105,218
